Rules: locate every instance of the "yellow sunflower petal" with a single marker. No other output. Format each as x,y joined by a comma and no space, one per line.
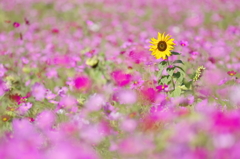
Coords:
170,41
163,37
159,36
167,37
154,40
154,43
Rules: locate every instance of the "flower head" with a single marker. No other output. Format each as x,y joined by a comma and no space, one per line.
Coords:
38,91
82,83
16,24
184,43
162,87
162,46
121,78
24,107
5,118
231,73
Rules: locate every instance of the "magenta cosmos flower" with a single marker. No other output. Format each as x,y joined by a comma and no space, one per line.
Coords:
82,83
120,78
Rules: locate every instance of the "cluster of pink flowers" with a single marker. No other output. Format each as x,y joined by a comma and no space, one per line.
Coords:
55,105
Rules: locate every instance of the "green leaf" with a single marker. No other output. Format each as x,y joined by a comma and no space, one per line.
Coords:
178,61
161,67
170,71
164,79
180,80
180,69
179,77
163,63
189,84
177,92
159,73
176,75
183,87
175,53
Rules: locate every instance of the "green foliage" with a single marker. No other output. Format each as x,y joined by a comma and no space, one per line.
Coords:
162,65
178,61
170,71
176,92
164,80
175,77
175,53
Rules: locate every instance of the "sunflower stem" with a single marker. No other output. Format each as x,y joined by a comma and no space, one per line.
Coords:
168,63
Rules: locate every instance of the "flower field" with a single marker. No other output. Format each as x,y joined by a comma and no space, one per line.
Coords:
127,79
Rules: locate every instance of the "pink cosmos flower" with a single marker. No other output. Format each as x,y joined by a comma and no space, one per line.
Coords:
16,24
108,108
95,102
183,43
2,70
149,94
231,73
125,96
51,73
62,91
68,102
193,55
24,107
50,95
24,60
158,107
38,91
82,83
45,119
121,78
161,88
70,82
55,31
136,84
3,87
226,122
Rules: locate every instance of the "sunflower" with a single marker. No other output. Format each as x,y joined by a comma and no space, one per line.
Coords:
162,46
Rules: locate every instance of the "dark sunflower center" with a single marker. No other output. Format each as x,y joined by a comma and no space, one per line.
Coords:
162,46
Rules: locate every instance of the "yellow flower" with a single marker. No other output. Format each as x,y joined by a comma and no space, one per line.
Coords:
93,62
162,46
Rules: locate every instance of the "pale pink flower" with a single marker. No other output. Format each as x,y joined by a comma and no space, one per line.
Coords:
38,91
45,119
24,107
126,96
128,125
95,102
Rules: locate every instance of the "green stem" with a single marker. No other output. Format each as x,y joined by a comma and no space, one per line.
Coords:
171,77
